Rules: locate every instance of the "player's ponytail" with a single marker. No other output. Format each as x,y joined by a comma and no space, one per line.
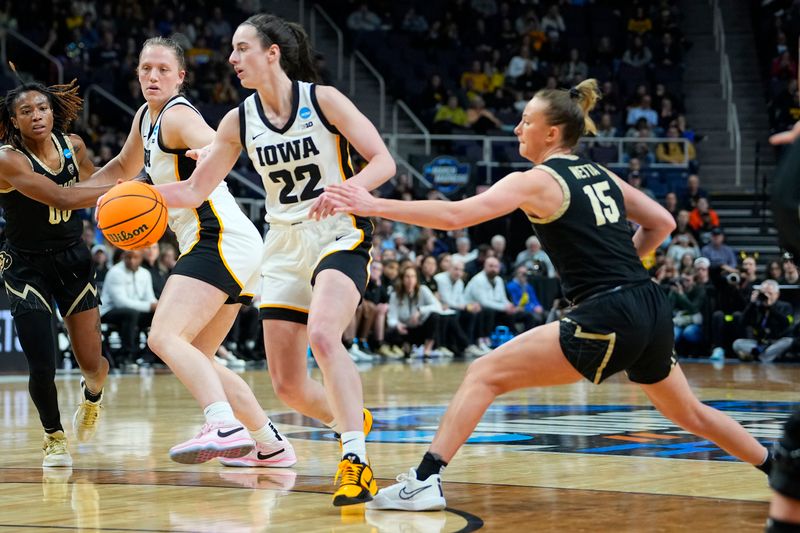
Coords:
570,109
297,58
305,69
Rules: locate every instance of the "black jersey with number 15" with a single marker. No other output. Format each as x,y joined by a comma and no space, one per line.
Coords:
588,238
32,225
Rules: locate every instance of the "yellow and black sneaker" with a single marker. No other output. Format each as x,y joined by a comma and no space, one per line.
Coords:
357,482
367,426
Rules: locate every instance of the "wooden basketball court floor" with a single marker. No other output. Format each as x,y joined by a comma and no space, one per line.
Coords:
574,458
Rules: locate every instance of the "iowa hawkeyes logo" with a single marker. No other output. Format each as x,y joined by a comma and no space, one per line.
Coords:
5,261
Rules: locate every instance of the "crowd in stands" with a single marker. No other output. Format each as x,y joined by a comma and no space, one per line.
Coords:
467,66
777,31
470,66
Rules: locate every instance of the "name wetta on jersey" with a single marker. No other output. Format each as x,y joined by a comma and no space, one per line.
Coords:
285,152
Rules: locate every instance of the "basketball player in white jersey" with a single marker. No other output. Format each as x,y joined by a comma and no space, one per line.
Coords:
298,136
217,243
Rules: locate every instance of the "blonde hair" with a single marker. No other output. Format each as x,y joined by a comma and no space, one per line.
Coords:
570,108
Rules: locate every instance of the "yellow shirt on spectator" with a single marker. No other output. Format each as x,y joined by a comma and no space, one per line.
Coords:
457,116
672,152
640,26
480,81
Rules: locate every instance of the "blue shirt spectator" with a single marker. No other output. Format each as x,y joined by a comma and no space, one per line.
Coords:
521,292
717,252
643,110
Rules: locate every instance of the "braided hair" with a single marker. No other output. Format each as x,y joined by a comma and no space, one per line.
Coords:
63,99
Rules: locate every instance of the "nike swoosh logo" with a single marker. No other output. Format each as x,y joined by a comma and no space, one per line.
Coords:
405,495
348,441
223,434
259,135
341,237
262,457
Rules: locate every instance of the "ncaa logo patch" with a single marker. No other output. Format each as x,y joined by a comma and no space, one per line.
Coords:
305,113
638,430
5,261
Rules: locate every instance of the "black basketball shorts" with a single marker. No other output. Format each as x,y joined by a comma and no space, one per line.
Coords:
628,329
33,280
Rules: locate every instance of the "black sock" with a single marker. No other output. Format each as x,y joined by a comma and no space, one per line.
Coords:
779,526
431,464
353,458
91,396
766,466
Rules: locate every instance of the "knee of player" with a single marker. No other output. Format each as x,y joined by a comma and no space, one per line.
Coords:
481,374
159,340
286,389
324,340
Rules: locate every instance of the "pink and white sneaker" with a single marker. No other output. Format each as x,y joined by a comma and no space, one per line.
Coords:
220,439
275,455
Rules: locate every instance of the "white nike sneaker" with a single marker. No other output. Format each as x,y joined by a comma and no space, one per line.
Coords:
410,494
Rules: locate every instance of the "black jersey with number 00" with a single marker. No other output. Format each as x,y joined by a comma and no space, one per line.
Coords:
588,238
32,225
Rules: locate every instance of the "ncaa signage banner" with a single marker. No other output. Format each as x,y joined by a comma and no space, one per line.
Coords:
447,173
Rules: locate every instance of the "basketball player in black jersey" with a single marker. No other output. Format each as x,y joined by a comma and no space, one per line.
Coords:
620,320
784,510
43,257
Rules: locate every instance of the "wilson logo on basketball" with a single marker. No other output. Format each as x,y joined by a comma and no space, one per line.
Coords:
132,215
123,236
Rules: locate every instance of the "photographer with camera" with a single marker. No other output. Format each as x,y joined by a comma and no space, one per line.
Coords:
729,292
766,319
687,299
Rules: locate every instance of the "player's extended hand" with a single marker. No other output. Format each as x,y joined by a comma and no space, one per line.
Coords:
350,199
786,137
100,200
198,154
323,207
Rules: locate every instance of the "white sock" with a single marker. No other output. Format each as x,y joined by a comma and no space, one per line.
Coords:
353,443
219,412
267,434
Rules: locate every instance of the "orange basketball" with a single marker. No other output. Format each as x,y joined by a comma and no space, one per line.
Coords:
132,215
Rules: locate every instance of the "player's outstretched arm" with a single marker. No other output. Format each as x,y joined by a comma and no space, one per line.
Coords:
508,194
343,115
211,170
125,165
16,173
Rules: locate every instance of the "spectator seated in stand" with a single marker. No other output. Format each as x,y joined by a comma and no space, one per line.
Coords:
692,194
488,289
449,117
719,253
675,150
703,219
522,295
534,259
413,315
765,319
128,302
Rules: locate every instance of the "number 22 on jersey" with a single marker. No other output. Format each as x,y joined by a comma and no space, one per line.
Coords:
310,190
